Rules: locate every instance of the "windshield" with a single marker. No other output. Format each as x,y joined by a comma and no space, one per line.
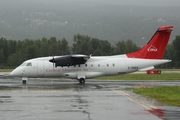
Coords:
26,64
29,64
23,64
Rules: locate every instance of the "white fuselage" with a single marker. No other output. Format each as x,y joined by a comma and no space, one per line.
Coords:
94,67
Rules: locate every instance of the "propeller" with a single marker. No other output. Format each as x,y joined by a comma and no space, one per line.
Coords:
52,60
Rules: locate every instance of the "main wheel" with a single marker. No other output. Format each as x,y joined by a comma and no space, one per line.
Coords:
82,81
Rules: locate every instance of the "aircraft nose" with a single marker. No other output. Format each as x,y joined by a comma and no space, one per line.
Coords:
14,73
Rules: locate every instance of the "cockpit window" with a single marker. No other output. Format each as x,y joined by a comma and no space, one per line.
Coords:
23,64
26,64
29,64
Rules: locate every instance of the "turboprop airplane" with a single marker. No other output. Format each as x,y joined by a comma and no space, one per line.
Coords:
82,67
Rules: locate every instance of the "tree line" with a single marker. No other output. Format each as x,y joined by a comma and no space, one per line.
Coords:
13,52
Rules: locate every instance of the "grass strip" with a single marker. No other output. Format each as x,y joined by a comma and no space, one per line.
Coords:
6,70
169,95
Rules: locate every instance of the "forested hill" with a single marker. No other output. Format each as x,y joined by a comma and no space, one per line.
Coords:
13,52
103,19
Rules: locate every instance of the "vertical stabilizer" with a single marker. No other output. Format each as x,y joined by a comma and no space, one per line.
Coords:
156,47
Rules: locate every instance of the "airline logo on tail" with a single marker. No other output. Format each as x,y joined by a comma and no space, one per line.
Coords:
152,49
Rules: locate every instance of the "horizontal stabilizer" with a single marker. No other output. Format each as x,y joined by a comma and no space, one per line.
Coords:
148,68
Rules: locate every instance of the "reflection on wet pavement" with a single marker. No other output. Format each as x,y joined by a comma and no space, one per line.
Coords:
47,99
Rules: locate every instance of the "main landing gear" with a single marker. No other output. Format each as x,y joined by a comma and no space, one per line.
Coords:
82,81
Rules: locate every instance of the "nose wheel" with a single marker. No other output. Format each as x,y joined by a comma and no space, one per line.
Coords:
24,80
82,81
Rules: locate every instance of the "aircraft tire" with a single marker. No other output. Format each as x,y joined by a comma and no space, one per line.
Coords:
24,82
82,81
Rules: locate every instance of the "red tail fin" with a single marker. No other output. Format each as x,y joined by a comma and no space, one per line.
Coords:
156,47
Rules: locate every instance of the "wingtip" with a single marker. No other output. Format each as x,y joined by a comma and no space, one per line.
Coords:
169,60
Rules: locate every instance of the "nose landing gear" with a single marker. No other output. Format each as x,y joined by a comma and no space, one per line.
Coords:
82,81
24,80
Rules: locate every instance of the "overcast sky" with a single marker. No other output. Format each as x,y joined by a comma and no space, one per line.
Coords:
148,2
119,2
84,12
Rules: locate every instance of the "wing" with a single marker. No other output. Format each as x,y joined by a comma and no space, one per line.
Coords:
69,60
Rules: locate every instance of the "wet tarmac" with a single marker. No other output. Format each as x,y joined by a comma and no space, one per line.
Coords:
54,99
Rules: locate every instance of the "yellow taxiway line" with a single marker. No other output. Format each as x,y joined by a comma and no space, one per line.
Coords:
145,105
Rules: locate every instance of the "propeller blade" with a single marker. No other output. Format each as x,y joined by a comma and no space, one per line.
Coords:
53,61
